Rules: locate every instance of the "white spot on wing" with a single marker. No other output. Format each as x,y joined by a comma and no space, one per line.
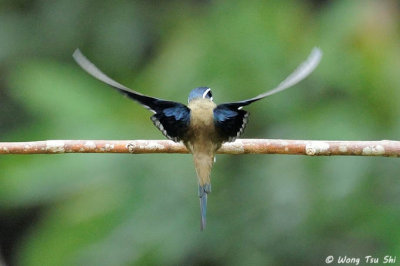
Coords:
158,124
241,129
148,108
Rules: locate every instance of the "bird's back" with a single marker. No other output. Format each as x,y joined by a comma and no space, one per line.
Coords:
201,137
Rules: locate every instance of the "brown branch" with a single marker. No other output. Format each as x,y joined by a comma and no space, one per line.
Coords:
240,146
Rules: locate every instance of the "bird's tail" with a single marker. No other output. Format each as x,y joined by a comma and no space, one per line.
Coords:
203,191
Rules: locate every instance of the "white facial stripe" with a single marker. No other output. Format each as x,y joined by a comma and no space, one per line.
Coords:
205,93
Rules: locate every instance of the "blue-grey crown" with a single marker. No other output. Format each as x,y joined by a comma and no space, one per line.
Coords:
200,92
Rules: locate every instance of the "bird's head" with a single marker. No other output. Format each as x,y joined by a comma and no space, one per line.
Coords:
200,93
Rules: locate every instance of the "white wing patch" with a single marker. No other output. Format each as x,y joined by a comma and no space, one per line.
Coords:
240,131
158,124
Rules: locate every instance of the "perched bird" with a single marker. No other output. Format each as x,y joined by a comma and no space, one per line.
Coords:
202,125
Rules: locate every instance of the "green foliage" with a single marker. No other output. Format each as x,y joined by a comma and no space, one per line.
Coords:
143,209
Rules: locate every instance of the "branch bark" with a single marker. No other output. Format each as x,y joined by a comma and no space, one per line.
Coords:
240,146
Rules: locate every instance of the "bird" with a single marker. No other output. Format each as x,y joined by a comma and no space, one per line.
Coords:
201,125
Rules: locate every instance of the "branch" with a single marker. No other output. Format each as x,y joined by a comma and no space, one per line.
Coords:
240,146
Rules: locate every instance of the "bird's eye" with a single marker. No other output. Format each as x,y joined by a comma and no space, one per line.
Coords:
209,95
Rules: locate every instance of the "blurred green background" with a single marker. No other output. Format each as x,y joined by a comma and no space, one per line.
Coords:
108,209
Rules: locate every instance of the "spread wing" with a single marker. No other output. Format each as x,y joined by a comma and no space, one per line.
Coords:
171,118
230,120
173,121
300,73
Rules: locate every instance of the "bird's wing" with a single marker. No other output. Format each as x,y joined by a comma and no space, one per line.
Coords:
301,72
230,120
171,118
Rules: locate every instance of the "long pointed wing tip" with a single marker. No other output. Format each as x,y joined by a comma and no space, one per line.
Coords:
77,54
316,54
317,49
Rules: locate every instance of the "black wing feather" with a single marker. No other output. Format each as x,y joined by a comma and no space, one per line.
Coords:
229,122
173,121
171,118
